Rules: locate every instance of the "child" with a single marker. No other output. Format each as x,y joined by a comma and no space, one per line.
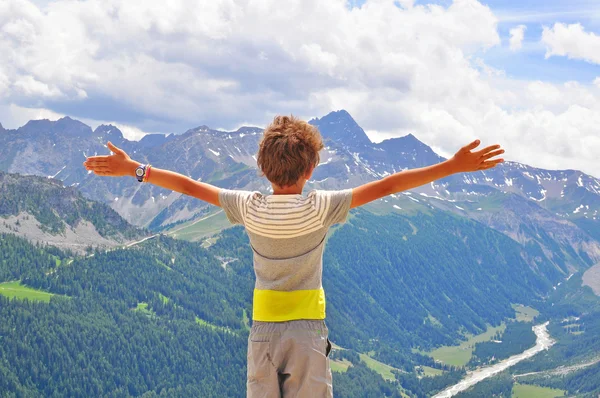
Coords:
288,346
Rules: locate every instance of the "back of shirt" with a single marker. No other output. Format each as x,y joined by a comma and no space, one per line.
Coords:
287,235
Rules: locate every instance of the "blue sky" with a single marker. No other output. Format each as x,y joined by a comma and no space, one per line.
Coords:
535,14
531,63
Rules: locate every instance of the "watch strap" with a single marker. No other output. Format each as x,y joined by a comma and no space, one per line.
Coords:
147,172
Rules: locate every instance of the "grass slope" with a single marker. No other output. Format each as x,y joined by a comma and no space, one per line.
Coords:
461,354
431,372
16,290
531,391
384,370
340,366
206,226
524,313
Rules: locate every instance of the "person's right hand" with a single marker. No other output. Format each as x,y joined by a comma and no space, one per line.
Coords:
465,160
116,165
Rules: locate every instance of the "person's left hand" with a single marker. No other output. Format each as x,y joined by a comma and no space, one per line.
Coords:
116,165
465,161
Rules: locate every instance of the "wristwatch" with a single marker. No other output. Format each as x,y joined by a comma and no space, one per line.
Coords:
140,172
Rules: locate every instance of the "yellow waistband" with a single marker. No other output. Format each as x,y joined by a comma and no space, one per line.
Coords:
280,306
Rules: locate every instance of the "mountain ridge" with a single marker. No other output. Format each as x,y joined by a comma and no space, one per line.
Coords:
339,126
44,211
567,202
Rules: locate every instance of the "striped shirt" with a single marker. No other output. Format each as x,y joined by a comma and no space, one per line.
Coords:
287,236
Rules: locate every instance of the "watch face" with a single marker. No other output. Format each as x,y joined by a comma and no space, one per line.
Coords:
139,172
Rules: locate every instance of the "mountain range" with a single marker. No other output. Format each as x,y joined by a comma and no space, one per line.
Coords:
555,210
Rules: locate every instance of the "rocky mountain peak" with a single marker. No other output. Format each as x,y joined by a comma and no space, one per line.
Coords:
109,131
69,125
39,124
201,129
340,126
65,127
249,130
154,140
409,145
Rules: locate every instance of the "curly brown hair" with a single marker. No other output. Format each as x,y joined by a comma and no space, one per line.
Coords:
288,149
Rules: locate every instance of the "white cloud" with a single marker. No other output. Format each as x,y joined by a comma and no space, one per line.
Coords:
516,37
14,116
186,59
30,87
398,69
571,41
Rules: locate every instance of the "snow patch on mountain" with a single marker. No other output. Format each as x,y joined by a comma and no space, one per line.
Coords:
57,173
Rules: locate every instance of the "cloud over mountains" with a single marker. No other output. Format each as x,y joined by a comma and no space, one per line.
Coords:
397,67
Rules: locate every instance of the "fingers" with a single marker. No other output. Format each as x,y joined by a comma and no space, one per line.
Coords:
492,154
98,168
97,160
97,165
484,151
102,173
470,146
115,149
489,164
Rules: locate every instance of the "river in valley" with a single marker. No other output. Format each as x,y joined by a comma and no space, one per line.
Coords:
543,342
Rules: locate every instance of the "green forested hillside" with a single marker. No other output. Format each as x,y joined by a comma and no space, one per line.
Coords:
90,348
90,341
161,319
171,276
422,281
55,206
19,258
168,317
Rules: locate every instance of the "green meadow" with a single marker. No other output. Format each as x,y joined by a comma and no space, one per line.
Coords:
340,366
384,370
206,226
459,355
524,313
16,290
431,372
531,391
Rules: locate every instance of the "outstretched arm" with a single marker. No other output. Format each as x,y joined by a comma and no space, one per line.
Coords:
120,164
463,161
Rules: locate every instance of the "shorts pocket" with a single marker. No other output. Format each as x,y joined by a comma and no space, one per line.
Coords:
259,358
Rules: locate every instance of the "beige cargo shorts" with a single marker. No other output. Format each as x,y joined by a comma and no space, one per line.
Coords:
289,359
